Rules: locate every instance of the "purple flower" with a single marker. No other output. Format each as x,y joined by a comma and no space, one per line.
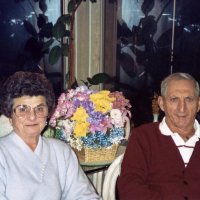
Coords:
104,129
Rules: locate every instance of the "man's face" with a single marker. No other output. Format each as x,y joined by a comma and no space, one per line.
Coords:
180,104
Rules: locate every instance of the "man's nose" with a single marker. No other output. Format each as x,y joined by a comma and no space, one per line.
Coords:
181,105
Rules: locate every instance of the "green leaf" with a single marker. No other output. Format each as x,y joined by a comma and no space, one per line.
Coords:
67,33
147,6
42,20
65,49
65,19
43,6
59,30
71,6
46,30
47,44
85,82
99,78
54,55
30,28
74,84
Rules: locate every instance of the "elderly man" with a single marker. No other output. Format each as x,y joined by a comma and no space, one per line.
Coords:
162,160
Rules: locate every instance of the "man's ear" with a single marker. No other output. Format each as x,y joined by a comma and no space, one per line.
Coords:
199,104
161,103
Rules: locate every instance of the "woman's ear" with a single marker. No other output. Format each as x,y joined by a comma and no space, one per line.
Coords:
161,103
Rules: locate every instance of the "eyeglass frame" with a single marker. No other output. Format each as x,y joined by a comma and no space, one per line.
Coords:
27,112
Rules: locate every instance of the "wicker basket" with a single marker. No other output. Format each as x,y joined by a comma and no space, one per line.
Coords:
103,155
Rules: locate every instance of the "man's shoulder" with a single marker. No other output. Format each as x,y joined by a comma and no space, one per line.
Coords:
147,130
148,127
148,135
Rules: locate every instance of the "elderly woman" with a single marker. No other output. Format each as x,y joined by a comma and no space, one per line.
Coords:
33,167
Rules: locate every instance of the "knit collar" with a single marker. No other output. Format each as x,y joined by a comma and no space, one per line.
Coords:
164,129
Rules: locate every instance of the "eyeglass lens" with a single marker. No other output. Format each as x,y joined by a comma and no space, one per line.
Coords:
24,110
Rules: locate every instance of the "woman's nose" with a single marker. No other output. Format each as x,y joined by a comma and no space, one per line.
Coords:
32,114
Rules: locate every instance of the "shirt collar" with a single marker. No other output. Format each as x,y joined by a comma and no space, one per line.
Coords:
164,129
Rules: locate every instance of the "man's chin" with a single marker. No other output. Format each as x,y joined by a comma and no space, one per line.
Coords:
183,124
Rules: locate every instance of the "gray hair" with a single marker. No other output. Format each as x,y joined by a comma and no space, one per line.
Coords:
178,76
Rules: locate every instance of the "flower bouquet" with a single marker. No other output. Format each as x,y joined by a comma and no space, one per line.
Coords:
91,121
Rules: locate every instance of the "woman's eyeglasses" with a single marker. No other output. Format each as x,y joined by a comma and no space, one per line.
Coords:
25,110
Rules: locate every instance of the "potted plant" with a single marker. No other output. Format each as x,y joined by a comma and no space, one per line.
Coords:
91,121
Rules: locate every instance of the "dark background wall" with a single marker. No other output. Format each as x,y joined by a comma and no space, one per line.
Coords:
155,38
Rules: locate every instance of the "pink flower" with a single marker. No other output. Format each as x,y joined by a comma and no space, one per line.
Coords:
106,121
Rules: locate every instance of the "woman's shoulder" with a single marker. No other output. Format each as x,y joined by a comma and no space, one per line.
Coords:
59,149
54,141
7,138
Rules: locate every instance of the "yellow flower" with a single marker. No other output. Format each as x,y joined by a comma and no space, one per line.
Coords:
80,115
102,101
81,126
81,129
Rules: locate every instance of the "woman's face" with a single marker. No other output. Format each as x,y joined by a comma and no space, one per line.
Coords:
29,116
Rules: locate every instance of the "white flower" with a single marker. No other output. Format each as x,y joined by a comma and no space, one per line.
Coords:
76,143
116,140
116,118
67,126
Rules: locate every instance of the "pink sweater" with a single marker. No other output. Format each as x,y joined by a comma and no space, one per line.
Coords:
153,169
